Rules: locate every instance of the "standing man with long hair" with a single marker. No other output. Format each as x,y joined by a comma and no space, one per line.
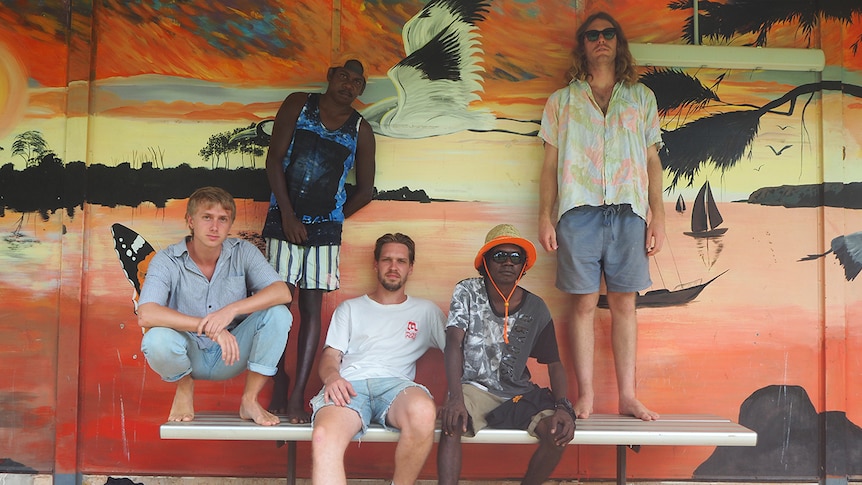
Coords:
602,170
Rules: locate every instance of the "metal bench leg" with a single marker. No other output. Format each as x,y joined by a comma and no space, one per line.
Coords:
291,463
621,465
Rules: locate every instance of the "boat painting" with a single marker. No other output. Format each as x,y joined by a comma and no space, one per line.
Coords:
664,297
705,217
680,204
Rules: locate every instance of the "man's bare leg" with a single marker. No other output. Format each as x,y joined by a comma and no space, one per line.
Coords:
183,407
281,381
449,459
624,335
583,337
333,429
545,458
249,407
414,413
310,302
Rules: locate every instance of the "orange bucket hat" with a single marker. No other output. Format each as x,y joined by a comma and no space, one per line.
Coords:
506,234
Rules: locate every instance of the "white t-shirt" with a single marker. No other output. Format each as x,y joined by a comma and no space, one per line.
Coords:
384,340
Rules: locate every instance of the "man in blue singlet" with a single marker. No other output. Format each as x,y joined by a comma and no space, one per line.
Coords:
316,140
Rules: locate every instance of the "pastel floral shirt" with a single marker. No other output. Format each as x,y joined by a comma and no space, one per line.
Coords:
602,158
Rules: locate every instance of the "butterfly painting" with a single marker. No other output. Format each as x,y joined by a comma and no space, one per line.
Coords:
135,254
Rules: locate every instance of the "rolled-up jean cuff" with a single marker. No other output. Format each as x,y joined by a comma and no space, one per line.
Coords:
261,369
176,378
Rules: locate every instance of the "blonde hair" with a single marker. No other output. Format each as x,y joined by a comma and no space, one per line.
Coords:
210,196
624,64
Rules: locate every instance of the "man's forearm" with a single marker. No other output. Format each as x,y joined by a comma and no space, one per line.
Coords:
548,182
155,315
277,293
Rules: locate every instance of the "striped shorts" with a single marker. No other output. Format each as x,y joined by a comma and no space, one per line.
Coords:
305,267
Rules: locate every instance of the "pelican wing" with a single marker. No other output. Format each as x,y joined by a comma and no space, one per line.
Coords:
436,84
848,250
438,14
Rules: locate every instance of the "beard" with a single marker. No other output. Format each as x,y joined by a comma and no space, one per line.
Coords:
390,285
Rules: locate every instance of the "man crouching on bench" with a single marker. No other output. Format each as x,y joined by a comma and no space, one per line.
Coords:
494,327
367,368
212,306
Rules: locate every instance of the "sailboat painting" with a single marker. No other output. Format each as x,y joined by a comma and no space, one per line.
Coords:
705,217
664,297
680,204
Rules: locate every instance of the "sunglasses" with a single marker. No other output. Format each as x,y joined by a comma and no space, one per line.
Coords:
515,257
593,35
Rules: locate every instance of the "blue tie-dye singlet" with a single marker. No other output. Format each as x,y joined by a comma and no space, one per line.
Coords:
315,168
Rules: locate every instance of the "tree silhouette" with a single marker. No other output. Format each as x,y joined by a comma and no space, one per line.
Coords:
30,146
221,145
722,21
217,147
719,139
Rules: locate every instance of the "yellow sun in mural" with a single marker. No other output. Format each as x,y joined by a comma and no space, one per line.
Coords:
13,90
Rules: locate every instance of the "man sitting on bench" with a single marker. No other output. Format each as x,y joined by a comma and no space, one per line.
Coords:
494,327
213,306
368,365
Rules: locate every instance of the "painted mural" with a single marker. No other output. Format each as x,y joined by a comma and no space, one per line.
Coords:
113,112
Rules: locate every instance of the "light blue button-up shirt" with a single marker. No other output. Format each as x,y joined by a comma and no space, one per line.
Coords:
175,281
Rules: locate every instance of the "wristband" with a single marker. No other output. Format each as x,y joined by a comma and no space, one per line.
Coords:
566,406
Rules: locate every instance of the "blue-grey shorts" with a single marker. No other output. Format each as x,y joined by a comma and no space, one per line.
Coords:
372,401
608,240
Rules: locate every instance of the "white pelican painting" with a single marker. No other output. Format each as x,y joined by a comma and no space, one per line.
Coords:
439,77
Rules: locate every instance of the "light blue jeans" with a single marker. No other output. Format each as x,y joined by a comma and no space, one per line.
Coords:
373,399
261,338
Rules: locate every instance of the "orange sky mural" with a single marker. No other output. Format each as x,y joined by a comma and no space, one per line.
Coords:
166,75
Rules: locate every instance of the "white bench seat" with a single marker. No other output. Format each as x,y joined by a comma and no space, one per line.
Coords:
599,429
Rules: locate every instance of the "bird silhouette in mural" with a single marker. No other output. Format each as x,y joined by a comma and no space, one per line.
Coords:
848,252
439,77
780,151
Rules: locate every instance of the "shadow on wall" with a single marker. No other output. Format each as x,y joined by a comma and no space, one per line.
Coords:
790,436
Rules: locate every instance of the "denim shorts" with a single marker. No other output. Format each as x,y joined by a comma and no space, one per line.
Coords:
372,401
609,240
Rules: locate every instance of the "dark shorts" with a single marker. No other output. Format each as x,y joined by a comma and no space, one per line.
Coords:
523,411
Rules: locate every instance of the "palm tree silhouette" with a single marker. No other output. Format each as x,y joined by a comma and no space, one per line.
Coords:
720,139
722,21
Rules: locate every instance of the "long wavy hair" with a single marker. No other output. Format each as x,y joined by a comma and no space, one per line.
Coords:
624,67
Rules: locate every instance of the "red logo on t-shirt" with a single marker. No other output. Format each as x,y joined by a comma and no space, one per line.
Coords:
412,330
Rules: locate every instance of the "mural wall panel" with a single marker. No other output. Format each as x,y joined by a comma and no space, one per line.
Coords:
117,115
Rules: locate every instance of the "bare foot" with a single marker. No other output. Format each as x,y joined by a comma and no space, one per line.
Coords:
635,408
298,416
583,407
255,412
278,402
183,407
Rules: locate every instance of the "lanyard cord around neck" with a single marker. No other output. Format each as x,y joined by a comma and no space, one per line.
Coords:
505,298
